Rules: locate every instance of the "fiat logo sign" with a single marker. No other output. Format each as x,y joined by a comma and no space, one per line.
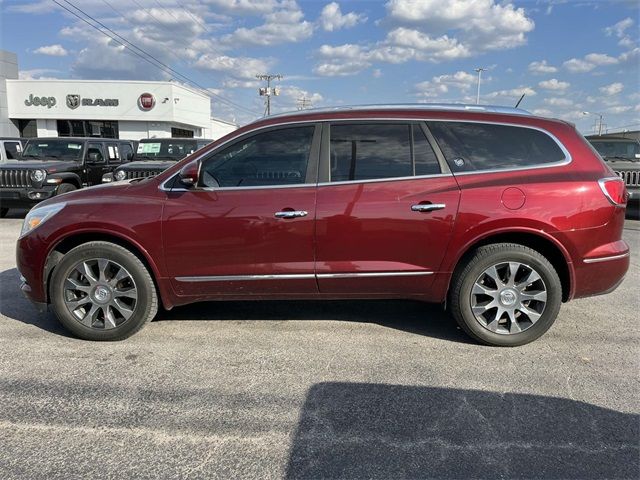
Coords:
146,101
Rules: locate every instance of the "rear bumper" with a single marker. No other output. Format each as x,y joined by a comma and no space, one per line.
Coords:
602,270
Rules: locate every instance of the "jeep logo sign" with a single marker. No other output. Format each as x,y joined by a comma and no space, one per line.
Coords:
40,101
146,102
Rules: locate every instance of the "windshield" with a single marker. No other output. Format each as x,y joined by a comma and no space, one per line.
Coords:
618,149
53,149
165,149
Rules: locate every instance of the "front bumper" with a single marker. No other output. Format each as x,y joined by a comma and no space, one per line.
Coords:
25,197
26,291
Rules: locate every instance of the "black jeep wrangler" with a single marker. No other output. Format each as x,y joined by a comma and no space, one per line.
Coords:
623,156
53,166
154,155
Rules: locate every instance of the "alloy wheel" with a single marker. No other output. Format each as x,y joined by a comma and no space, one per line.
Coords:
508,297
100,293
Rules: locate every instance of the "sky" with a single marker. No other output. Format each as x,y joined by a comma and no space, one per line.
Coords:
568,57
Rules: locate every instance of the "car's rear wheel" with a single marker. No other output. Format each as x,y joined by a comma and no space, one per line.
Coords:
506,295
102,291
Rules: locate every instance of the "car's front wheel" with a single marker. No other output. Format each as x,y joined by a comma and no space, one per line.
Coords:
506,295
102,291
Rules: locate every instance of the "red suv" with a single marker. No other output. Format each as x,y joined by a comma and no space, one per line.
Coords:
495,213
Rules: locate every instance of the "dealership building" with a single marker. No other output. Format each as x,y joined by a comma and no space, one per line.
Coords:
102,108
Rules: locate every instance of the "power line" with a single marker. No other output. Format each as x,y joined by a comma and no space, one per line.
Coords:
304,103
145,55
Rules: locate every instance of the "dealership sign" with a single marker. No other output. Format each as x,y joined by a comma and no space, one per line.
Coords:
40,101
146,102
74,101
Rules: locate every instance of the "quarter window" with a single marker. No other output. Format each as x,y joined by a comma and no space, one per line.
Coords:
379,151
485,146
276,157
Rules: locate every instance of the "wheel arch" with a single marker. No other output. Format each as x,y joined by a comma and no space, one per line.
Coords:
70,178
544,244
78,238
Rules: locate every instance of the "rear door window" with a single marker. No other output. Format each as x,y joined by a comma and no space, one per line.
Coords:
379,151
485,146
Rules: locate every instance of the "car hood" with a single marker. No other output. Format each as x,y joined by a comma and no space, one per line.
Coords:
51,166
148,165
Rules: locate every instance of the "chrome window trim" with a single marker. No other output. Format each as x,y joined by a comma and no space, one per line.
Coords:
568,158
390,179
605,259
296,276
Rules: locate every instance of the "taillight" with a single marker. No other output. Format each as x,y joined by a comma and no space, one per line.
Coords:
614,189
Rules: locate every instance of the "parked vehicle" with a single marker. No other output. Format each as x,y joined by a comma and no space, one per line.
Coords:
52,166
154,156
10,149
623,156
498,214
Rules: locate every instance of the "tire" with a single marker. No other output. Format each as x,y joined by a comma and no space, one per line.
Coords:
3,212
66,188
473,287
118,315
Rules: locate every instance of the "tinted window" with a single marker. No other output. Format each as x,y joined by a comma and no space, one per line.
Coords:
95,149
52,148
363,152
425,157
126,152
478,146
277,157
617,149
12,149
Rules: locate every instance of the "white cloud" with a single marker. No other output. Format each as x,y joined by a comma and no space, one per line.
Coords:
619,109
332,18
542,112
236,67
575,65
620,31
558,102
542,67
281,26
600,59
56,50
511,93
436,31
441,84
612,89
554,84
36,74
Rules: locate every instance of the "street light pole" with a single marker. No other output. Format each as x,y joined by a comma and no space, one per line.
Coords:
600,121
479,70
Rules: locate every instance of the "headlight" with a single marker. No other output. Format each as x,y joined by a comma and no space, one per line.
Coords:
107,178
38,215
38,176
120,175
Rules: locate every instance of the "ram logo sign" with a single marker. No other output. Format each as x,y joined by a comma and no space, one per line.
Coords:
73,101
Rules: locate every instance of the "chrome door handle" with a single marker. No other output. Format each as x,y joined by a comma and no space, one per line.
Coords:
427,207
291,214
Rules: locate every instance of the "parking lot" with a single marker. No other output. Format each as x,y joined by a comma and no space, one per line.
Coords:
370,389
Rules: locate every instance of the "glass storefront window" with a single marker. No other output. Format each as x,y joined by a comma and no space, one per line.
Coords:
88,128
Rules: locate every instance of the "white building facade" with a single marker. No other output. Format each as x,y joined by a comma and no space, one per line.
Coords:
115,109
102,108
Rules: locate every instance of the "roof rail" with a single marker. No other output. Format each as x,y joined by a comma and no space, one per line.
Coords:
410,106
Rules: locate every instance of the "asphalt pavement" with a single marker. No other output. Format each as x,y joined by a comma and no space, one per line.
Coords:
357,389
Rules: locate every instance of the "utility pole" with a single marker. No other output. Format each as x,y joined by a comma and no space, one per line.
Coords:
268,91
479,70
304,103
600,121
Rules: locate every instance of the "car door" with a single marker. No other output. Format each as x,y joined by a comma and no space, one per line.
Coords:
95,163
386,206
247,228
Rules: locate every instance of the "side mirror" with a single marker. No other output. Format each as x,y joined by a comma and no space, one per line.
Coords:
129,156
93,157
188,175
